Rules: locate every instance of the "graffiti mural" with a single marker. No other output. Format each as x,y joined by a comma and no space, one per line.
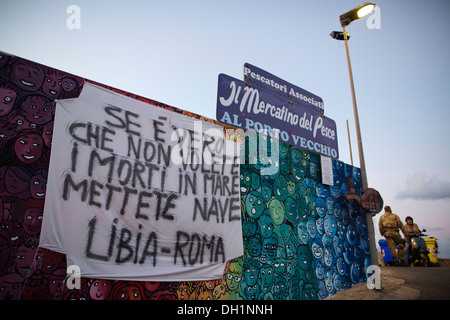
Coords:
27,94
302,239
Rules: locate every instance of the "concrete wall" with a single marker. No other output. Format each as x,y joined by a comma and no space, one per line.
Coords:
302,239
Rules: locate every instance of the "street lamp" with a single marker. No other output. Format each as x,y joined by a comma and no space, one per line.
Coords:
345,19
339,35
356,13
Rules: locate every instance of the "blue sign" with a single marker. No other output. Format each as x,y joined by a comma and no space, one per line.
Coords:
253,108
253,76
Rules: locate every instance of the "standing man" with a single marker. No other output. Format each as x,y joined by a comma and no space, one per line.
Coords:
389,225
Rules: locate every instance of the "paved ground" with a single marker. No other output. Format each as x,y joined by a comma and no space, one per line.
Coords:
403,283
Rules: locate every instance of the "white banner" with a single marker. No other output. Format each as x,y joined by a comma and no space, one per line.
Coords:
136,192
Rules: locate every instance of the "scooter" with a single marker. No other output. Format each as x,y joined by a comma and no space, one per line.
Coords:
418,250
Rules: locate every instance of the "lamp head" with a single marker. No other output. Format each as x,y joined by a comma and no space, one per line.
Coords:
339,35
356,13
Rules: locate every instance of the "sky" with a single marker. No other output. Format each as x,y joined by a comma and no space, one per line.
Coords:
172,51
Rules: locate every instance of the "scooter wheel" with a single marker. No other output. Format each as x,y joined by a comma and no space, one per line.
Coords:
425,259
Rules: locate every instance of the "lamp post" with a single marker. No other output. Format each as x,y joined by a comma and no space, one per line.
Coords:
345,19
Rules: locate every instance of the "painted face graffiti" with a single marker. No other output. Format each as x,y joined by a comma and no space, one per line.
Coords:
8,95
28,148
37,109
255,204
129,291
68,84
27,75
52,85
276,211
38,185
99,289
32,220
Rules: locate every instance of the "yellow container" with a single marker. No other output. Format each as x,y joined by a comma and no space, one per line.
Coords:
432,248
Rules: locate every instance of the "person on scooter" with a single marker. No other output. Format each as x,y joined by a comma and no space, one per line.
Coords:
410,228
389,225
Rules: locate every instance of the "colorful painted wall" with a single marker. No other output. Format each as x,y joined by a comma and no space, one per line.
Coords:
302,239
